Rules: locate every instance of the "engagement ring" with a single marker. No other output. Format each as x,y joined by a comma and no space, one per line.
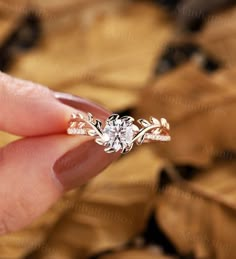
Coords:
119,133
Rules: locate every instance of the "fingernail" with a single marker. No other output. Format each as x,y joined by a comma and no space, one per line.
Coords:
85,161
82,104
80,164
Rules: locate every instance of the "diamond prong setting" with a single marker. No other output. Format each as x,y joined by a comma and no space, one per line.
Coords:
119,133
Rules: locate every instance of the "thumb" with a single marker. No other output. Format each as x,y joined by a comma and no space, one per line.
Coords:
36,171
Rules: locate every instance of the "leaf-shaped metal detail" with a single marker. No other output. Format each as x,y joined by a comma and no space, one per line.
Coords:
127,118
135,128
74,115
73,124
92,132
127,149
144,123
113,117
80,116
81,125
109,150
98,124
155,121
140,140
90,117
99,141
157,131
164,123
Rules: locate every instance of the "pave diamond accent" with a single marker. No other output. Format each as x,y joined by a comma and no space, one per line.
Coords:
75,131
118,134
157,137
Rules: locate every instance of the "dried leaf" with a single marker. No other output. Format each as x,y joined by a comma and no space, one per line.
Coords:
196,108
217,39
199,215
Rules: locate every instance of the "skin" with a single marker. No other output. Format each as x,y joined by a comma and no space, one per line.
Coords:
29,184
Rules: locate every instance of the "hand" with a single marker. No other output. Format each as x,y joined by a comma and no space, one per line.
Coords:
37,169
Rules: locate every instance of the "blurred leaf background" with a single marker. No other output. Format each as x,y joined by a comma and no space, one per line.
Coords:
166,58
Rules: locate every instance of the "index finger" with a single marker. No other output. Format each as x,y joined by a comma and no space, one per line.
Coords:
29,109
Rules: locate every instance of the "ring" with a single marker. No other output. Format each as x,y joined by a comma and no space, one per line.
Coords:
119,133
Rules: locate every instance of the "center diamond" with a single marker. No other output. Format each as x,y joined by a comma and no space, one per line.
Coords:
118,133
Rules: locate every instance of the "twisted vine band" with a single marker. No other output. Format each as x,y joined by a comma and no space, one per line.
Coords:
119,133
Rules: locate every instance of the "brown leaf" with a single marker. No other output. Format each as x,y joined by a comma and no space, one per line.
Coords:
218,36
107,60
189,12
199,215
200,111
113,208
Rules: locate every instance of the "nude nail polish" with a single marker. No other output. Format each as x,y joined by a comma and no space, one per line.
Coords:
82,104
78,165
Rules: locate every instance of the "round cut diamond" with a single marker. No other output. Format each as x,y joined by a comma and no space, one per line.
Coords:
118,134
